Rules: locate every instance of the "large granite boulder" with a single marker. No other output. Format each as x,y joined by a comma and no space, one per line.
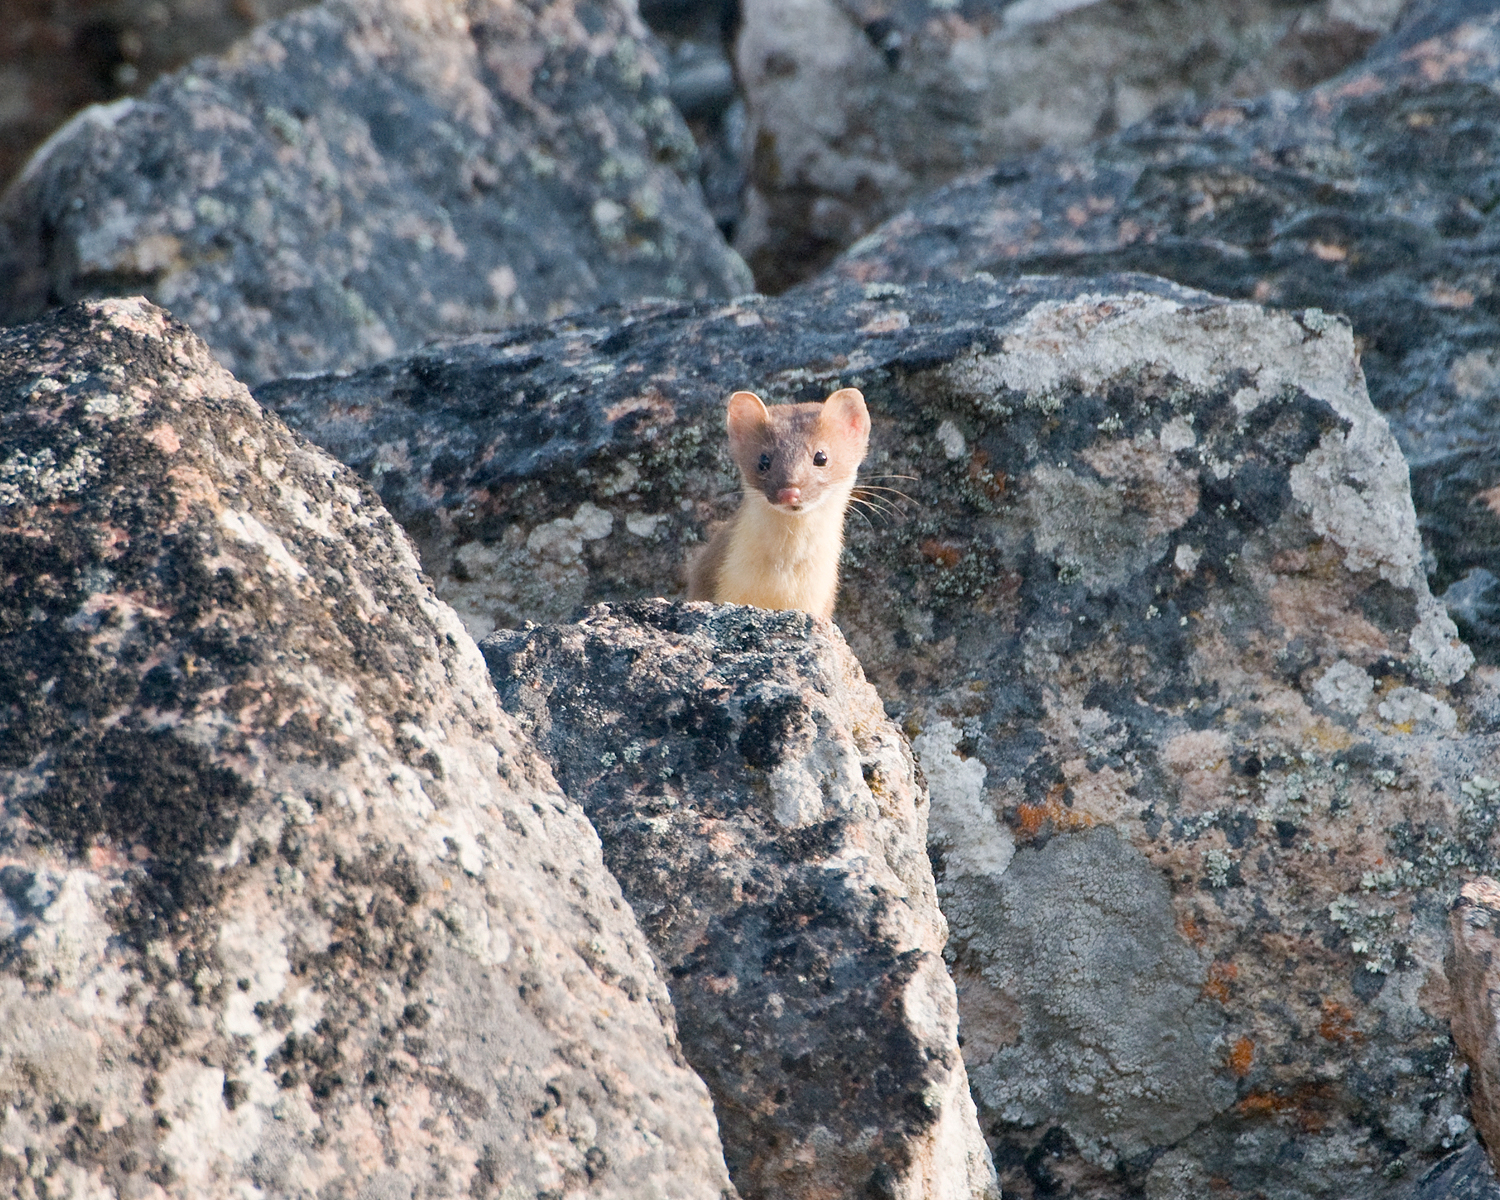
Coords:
287,905
1206,758
1372,195
764,819
359,177
859,107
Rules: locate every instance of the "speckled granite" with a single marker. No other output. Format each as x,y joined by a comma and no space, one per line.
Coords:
358,178
287,905
764,819
1372,195
1207,762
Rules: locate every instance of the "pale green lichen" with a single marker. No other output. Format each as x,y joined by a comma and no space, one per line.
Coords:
1371,933
39,478
1217,863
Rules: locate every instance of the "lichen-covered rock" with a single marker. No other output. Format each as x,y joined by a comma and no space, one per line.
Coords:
357,178
1158,625
287,906
1372,195
763,817
1473,964
858,107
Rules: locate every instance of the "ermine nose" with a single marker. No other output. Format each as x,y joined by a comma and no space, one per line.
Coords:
789,495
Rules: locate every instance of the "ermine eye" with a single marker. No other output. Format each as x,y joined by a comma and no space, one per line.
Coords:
820,459
765,462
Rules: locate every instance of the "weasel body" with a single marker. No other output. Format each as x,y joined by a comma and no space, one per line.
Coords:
798,464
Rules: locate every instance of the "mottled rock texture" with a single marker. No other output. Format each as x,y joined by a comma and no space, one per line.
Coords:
858,107
1473,965
357,178
1372,195
1205,762
288,907
1464,1175
764,819
56,56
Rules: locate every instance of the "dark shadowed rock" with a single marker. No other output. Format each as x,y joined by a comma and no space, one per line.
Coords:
764,820
360,177
1159,630
287,906
1372,195
57,57
858,107
1473,963
1464,1175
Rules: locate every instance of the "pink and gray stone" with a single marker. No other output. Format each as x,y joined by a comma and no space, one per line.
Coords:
360,177
766,824
1207,760
288,906
857,108
1373,194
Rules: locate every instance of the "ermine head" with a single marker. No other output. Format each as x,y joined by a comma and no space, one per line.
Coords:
798,455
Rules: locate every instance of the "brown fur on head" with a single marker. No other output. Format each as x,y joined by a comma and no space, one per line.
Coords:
797,455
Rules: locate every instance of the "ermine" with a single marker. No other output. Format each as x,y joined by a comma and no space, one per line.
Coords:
798,462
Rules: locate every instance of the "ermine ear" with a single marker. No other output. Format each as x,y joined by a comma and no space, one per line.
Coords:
747,415
845,413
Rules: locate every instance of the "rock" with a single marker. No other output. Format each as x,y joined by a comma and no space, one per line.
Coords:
765,823
1371,195
1149,527
287,904
698,36
859,107
1471,967
1463,1175
56,58
358,178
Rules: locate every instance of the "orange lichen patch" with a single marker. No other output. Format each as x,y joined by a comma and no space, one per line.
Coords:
1241,1055
1052,814
942,553
1265,1104
1188,926
1311,1105
1220,976
1337,1024
991,483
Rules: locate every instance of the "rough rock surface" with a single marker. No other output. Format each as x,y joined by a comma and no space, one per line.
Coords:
1463,1175
1202,750
1373,195
858,107
1472,977
763,817
287,906
56,57
357,178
